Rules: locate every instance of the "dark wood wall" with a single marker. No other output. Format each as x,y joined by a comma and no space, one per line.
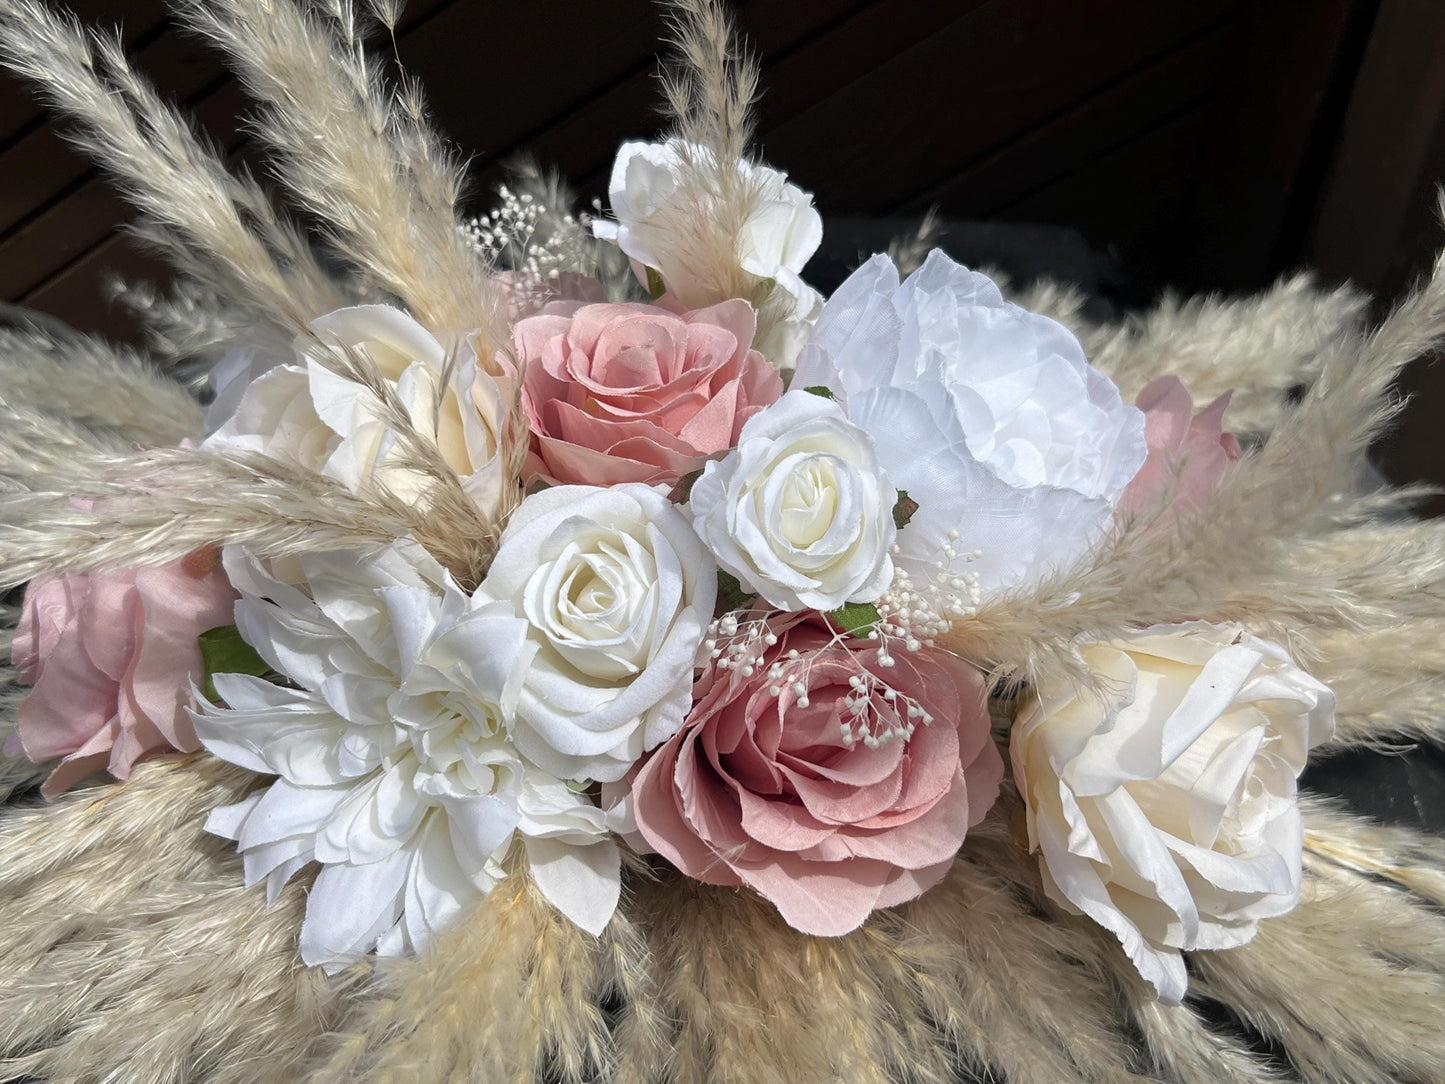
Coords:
1205,144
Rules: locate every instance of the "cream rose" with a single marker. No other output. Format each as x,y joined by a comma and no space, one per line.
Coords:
617,592
306,412
800,512
1165,810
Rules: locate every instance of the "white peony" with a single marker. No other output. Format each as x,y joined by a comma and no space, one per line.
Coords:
988,415
800,512
305,412
395,769
1165,810
617,592
773,244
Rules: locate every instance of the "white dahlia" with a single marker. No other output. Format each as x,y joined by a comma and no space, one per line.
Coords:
396,771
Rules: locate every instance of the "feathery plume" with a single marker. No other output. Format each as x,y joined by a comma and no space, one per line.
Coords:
373,172
217,228
91,382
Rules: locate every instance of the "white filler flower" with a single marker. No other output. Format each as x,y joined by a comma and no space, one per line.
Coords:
617,592
395,769
800,512
1166,809
773,244
989,416
307,413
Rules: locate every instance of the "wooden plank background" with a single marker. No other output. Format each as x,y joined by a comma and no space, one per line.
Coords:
1208,145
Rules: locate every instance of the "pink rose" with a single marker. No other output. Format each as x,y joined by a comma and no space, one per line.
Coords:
1188,452
112,656
634,393
766,791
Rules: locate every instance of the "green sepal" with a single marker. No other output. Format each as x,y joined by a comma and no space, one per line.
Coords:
820,390
904,509
537,486
731,595
224,652
655,286
856,618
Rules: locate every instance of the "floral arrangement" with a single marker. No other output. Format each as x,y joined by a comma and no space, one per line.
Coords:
574,551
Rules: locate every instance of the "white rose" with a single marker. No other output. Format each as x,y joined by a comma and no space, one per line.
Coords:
774,243
1166,810
618,592
800,512
305,412
1014,447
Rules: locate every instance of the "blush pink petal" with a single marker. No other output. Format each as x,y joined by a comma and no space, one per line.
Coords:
112,657
823,899
1188,453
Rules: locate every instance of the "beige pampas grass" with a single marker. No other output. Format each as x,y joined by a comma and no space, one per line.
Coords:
90,382
215,227
1259,348
365,164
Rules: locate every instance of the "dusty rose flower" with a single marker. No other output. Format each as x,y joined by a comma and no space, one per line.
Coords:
112,656
634,393
770,792
1188,452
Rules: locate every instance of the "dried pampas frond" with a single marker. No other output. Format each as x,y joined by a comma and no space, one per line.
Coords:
377,178
158,506
709,87
218,229
91,382
130,951
1260,348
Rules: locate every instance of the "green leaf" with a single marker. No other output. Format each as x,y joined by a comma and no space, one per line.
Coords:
655,286
730,594
537,487
904,509
819,390
683,490
224,652
856,618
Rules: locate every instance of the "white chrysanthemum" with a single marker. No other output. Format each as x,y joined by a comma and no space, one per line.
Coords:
396,771
988,415
774,243
305,412
1164,807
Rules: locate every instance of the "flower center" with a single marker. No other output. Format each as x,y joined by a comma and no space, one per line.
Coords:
809,501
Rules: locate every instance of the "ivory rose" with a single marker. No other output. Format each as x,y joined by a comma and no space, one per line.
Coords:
617,592
1188,452
778,782
1165,808
113,656
801,513
634,393
308,413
